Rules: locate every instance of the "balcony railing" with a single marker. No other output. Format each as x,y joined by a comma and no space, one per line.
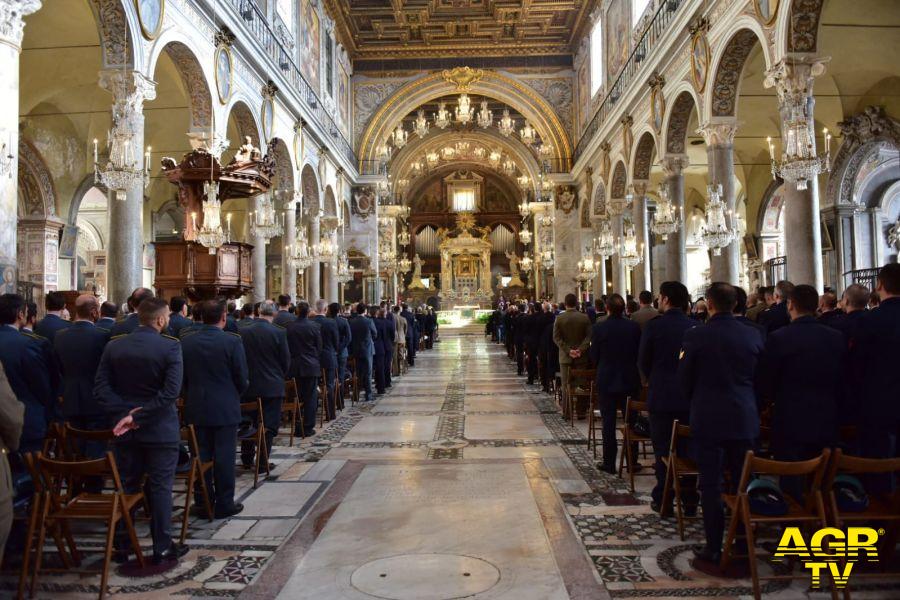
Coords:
627,75
866,277
282,59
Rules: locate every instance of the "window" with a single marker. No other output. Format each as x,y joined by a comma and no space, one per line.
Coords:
464,199
329,65
596,57
637,10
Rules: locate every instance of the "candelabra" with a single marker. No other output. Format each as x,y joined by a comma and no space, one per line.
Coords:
525,236
399,137
528,134
629,252
799,163
485,116
666,221
465,112
442,116
264,223
211,234
717,233
421,126
506,124
605,244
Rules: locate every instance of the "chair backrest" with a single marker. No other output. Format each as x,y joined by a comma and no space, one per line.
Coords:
189,436
290,390
55,441
843,463
576,376
635,406
679,432
253,407
813,469
53,471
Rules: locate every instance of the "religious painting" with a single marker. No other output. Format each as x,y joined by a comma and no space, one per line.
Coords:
68,241
565,199
618,34
8,283
343,97
658,104
700,58
150,14
309,45
363,201
224,69
267,117
766,10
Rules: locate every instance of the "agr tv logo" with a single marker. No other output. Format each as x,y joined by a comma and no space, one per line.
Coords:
828,548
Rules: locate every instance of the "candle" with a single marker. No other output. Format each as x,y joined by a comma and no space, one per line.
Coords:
95,150
228,223
771,148
147,161
827,141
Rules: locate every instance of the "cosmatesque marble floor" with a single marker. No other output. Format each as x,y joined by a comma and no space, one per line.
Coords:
461,482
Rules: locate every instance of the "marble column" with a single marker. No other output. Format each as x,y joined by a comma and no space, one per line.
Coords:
313,287
719,137
288,272
600,284
793,83
619,270
124,263
258,258
641,230
676,244
329,275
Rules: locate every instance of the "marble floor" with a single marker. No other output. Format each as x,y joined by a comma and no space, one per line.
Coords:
461,482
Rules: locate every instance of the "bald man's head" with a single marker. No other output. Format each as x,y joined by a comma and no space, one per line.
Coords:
87,308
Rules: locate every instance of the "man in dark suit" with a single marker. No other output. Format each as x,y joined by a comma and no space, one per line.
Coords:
268,361
247,317
828,309
52,323
78,350
389,350
658,360
25,363
362,347
412,335
876,345
740,312
855,302
178,308
108,313
614,349
533,341
521,335
334,312
138,383
284,316
196,321
801,374
328,357
230,319
384,342
777,316
12,417
549,353
716,374
131,322
305,344
215,379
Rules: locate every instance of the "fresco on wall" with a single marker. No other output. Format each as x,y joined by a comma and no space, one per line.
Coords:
618,33
343,98
309,49
584,91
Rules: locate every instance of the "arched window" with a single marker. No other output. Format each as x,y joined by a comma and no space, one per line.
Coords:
596,57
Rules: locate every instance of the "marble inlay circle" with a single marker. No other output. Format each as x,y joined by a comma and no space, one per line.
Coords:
425,577
448,444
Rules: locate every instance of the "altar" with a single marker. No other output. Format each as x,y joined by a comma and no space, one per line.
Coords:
465,265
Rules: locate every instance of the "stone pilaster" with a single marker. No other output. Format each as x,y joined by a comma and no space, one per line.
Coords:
12,25
676,245
258,258
719,136
641,272
314,286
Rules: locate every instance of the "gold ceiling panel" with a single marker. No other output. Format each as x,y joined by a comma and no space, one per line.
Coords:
436,28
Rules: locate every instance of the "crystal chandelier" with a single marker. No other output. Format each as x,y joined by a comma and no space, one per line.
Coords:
629,252
404,265
528,134
403,238
462,148
431,159
211,234
524,207
799,163
383,152
526,262
326,249
121,172
506,124
485,116
264,223
605,242
547,220
416,168
479,153
523,181
587,268
465,112
494,158
509,167
544,149
442,116
343,269
665,222
717,233
399,137
525,236
421,124
547,259
448,152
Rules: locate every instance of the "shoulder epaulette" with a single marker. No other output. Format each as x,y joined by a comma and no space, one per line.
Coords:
171,337
119,336
33,335
237,335
186,332
280,326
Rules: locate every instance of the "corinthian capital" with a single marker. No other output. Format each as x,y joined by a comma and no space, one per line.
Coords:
12,19
792,77
718,133
674,164
129,90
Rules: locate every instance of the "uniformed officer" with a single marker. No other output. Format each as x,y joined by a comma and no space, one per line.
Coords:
247,316
284,316
196,320
131,322
328,357
178,307
548,352
343,347
389,348
268,361
521,335
572,336
614,349
383,342
362,347
215,379
52,323
138,382
25,363
533,341
776,316
740,312
716,374
12,417
108,313
305,344
412,335
661,343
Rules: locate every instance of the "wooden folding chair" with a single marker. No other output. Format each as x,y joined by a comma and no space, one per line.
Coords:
354,379
811,512
579,386
57,510
631,437
322,387
196,473
594,417
677,466
253,411
292,407
883,509
74,440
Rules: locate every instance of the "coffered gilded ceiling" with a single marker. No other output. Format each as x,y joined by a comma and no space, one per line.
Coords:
434,28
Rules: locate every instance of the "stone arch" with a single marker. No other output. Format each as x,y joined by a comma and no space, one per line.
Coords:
769,221
797,28
618,181
117,23
197,86
492,85
729,61
37,194
329,204
677,122
245,120
643,156
309,186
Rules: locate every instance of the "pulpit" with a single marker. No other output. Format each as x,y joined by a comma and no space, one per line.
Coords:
188,269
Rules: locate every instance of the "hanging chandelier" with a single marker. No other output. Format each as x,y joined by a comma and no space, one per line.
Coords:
383,152
525,236
442,116
523,181
605,242
462,148
485,116
404,265
526,262
524,207
343,269
629,252
465,112
420,125
403,238
399,137
264,223
717,233
665,221
547,259
479,153
799,163
528,134
326,249
416,168
509,167
587,268
494,158
506,124
211,235
547,220
448,153
431,159
121,172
